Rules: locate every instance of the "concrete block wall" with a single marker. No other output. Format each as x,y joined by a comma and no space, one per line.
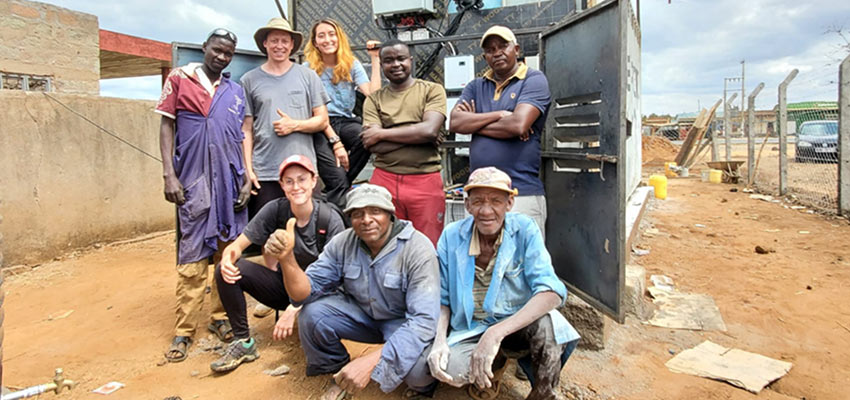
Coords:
42,39
66,184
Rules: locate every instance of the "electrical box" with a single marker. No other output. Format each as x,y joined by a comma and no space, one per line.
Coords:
458,71
533,62
393,7
420,34
450,104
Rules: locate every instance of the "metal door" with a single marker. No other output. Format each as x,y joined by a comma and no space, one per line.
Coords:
584,59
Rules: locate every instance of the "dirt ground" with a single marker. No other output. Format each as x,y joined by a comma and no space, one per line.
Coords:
809,183
790,305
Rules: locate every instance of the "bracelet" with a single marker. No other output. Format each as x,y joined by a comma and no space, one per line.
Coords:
340,145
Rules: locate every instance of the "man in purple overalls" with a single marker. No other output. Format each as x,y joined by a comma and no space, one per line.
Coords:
204,172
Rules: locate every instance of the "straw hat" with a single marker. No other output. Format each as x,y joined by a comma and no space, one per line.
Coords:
281,25
490,177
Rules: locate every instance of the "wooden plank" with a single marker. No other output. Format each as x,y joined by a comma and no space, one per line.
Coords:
704,122
688,144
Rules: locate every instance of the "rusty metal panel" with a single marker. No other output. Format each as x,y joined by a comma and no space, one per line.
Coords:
584,152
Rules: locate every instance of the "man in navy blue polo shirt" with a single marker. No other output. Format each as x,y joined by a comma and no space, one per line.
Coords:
505,111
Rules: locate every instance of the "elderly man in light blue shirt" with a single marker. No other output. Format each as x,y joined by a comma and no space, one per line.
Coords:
498,293
390,279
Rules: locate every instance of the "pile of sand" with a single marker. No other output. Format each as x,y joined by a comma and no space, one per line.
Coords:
657,150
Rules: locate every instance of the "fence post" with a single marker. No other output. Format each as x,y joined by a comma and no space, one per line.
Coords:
713,137
844,138
2,301
751,144
783,134
727,127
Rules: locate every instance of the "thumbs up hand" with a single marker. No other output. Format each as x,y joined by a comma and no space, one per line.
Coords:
281,242
285,125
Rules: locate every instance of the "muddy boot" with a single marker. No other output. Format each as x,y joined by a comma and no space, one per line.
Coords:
238,352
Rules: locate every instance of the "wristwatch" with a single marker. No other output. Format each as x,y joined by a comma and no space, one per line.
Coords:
333,140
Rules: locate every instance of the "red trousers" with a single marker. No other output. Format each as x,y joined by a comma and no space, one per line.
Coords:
418,198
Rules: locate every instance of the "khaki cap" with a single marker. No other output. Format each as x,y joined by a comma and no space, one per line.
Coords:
369,195
501,31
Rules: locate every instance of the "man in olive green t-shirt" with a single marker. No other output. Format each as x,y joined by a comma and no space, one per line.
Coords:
401,126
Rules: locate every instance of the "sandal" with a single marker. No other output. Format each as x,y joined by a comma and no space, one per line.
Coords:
341,395
410,394
486,393
221,328
179,345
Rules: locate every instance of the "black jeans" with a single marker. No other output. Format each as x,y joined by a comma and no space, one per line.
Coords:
336,184
348,130
261,283
269,190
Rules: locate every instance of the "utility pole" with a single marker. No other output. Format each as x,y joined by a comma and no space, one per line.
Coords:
743,95
727,121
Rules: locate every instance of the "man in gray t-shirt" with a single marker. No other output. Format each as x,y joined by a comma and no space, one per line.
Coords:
284,107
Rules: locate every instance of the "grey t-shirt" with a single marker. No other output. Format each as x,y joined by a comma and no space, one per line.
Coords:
295,93
271,218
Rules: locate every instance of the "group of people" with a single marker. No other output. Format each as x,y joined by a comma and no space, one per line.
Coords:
244,163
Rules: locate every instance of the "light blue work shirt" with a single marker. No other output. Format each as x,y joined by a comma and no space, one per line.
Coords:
400,282
523,269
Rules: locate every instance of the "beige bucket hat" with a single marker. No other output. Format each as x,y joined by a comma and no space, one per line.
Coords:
282,25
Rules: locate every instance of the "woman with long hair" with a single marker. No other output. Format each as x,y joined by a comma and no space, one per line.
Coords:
329,54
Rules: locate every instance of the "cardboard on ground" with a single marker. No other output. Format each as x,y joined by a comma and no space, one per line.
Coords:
743,369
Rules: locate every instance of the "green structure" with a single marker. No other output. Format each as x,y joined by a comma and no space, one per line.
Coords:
812,111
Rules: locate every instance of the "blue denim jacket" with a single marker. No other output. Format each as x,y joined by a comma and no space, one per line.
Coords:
523,268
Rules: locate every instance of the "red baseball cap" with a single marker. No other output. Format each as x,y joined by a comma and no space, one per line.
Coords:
296,159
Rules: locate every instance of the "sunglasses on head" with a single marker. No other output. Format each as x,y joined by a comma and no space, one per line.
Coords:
224,33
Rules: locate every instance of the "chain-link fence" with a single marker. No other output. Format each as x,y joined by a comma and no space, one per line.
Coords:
811,135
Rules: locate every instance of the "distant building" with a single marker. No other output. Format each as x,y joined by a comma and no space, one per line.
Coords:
811,111
48,48
54,49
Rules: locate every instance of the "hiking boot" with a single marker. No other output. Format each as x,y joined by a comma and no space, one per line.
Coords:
238,351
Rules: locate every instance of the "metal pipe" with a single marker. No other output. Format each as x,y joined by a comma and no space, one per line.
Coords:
59,383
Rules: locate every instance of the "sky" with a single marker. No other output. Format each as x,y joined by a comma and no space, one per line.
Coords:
688,46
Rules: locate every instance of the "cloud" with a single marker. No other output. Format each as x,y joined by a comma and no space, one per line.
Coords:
172,21
141,88
192,13
689,47
178,20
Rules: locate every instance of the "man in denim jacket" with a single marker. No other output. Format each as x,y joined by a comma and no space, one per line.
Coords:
388,274
498,293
